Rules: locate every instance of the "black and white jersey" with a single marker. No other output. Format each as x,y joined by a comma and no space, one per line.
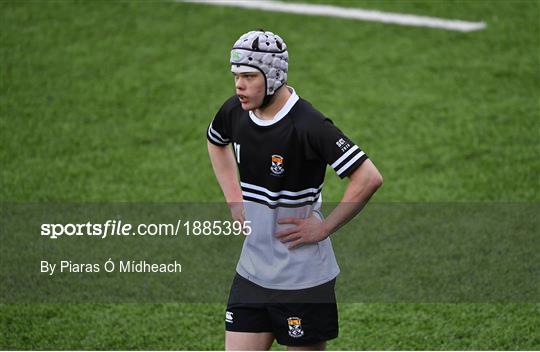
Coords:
282,165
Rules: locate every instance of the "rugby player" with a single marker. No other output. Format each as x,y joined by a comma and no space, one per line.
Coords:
281,145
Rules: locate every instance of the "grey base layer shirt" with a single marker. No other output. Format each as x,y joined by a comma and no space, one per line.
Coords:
269,263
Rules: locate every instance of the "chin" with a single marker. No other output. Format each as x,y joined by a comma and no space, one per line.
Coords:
248,107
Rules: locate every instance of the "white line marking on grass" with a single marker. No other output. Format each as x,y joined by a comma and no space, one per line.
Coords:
348,12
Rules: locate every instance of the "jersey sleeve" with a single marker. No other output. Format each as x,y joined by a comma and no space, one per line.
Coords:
328,143
218,130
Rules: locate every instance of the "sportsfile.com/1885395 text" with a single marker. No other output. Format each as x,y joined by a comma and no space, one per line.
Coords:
120,228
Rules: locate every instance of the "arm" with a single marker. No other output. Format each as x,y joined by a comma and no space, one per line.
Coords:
363,183
224,167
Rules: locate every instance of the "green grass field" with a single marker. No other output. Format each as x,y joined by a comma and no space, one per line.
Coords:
109,102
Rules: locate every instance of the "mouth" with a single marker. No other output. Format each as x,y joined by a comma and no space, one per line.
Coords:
243,98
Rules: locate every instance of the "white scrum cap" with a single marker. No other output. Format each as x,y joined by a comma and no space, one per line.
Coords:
264,52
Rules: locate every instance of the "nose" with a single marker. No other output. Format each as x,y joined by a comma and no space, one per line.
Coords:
239,83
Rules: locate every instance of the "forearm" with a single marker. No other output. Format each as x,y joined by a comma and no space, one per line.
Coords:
224,167
363,183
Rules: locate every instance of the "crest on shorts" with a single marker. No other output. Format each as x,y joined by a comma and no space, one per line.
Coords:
295,327
277,164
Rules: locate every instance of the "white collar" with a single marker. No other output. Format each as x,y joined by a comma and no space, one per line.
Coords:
280,114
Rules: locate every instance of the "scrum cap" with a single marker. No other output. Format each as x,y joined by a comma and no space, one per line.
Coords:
265,52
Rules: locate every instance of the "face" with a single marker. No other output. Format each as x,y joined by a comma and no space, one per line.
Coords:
250,89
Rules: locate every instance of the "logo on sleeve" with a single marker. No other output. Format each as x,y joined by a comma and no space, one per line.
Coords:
295,327
277,165
342,144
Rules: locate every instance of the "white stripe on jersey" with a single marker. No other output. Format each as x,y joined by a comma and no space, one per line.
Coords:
215,140
218,141
343,157
281,200
352,161
280,193
225,140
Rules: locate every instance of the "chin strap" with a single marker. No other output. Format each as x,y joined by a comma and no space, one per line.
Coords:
267,99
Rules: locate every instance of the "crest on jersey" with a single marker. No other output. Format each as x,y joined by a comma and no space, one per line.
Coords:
277,165
295,327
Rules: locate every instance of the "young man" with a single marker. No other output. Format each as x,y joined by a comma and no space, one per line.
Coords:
284,284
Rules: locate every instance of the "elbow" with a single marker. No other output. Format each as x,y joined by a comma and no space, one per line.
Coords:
365,181
376,181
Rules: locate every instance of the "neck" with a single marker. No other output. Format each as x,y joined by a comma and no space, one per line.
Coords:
279,100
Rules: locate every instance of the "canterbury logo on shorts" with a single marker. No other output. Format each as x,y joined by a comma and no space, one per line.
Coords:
229,317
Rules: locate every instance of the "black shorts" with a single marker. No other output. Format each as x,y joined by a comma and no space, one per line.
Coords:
295,317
